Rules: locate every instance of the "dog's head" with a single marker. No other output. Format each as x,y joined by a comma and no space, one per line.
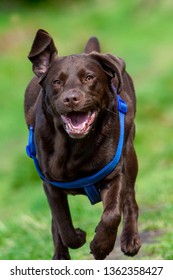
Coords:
77,88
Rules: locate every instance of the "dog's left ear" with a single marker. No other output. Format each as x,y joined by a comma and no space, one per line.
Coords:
113,66
92,45
43,52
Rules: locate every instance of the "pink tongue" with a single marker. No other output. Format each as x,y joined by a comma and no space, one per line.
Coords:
77,118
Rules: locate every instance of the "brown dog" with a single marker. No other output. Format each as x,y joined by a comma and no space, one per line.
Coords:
71,105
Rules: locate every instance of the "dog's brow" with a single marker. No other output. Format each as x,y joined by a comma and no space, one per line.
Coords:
63,76
82,72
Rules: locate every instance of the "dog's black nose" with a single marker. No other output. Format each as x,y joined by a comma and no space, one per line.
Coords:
71,99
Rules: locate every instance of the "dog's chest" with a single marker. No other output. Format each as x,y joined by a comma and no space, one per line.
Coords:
73,160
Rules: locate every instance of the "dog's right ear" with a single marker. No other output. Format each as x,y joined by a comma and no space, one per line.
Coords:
112,65
92,45
42,53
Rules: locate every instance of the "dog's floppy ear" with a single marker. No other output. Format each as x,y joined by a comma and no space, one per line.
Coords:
43,52
112,65
92,45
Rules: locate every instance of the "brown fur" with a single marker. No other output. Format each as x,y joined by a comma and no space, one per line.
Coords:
82,83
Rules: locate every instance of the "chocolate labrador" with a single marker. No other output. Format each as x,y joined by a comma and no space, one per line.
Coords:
80,113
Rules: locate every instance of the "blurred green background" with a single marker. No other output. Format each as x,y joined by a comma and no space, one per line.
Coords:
140,31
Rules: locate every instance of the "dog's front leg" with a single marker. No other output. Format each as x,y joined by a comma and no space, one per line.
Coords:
64,234
60,251
106,231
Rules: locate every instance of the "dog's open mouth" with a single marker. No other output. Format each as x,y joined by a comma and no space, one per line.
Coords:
78,124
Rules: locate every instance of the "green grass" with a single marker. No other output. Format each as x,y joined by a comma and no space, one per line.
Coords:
138,31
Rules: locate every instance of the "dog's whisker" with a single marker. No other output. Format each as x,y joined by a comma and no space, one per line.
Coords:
110,111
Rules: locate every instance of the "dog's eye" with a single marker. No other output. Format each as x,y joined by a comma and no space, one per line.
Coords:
89,78
57,82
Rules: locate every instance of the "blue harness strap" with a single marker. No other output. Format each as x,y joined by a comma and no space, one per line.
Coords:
87,183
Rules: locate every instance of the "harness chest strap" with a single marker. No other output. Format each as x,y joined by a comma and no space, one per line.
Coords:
88,183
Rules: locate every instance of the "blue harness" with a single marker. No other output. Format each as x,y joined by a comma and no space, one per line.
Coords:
87,183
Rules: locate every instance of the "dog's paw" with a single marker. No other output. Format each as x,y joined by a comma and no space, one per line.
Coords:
130,244
100,248
98,253
80,238
74,239
61,256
